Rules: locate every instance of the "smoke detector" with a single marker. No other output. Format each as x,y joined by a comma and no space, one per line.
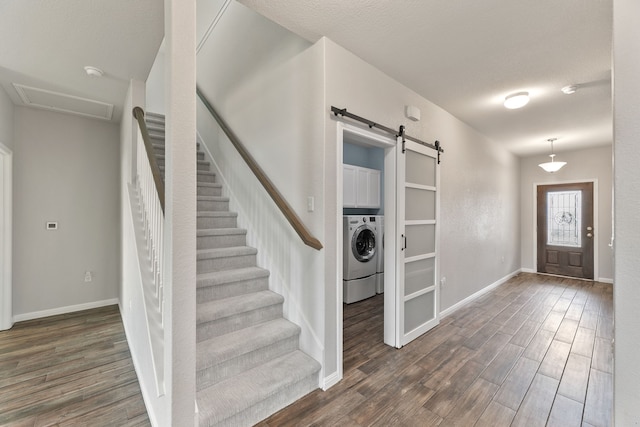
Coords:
93,71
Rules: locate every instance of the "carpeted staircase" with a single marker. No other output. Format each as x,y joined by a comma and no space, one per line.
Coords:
248,362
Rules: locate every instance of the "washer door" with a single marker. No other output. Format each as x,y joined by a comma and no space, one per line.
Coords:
363,243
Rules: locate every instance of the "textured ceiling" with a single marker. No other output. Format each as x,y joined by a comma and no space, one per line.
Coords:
45,44
467,55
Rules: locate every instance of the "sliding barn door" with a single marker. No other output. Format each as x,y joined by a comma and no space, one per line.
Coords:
417,293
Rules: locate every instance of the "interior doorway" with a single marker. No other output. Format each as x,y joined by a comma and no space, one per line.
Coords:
565,229
6,163
371,297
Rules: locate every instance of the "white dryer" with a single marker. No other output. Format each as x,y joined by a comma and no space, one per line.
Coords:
359,258
380,254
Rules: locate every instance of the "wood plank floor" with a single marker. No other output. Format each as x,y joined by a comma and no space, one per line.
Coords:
535,351
69,370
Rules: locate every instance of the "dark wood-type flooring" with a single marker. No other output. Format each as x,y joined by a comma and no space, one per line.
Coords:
69,370
535,351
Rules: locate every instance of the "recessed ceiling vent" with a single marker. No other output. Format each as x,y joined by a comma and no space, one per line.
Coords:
49,100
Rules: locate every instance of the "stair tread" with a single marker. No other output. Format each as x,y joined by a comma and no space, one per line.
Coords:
214,198
237,393
210,184
230,276
219,309
225,252
216,214
220,232
222,348
163,157
155,115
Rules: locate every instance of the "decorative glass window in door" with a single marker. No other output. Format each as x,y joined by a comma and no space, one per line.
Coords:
563,218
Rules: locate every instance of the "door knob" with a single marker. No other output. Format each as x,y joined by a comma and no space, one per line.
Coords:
589,235
589,228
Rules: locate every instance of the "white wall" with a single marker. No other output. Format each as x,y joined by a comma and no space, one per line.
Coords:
269,88
154,92
479,184
65,170
626,292
6,119
582,165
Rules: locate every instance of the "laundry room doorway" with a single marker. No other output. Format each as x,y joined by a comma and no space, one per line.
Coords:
367,247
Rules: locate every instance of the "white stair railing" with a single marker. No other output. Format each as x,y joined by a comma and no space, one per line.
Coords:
153,222
149,188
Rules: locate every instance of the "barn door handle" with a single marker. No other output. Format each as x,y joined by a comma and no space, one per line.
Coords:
405,243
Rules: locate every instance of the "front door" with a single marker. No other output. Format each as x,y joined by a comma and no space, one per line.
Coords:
565,229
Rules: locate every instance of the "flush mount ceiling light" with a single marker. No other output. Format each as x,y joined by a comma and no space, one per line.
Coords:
516,100
93,71
569,90
552,166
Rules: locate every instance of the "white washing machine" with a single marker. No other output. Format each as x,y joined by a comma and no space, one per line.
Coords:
380,254
359,258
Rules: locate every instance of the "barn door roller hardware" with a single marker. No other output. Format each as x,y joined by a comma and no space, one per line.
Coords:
400,133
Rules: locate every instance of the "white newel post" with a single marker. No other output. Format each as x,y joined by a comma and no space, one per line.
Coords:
180,209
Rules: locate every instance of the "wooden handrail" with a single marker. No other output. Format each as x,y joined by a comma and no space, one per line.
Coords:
138,113
278,199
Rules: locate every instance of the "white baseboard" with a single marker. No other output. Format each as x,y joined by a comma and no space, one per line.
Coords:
527,270
605,280
478,294
330,381
64,310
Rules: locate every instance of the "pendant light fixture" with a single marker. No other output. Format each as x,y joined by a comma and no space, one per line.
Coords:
552,166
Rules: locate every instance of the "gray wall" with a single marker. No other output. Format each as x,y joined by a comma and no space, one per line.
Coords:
582,165
66,169
6,119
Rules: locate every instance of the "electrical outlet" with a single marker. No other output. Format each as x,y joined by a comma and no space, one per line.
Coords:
311,202
502,259
88,277
443,282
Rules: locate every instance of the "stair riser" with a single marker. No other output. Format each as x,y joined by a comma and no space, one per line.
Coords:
204,167
206,177
215,328
225,263
269,406
227,241
210,191
226,290
214,374
216,206
217,222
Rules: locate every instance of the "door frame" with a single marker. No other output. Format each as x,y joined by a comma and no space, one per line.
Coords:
596,224
6,208
389,145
